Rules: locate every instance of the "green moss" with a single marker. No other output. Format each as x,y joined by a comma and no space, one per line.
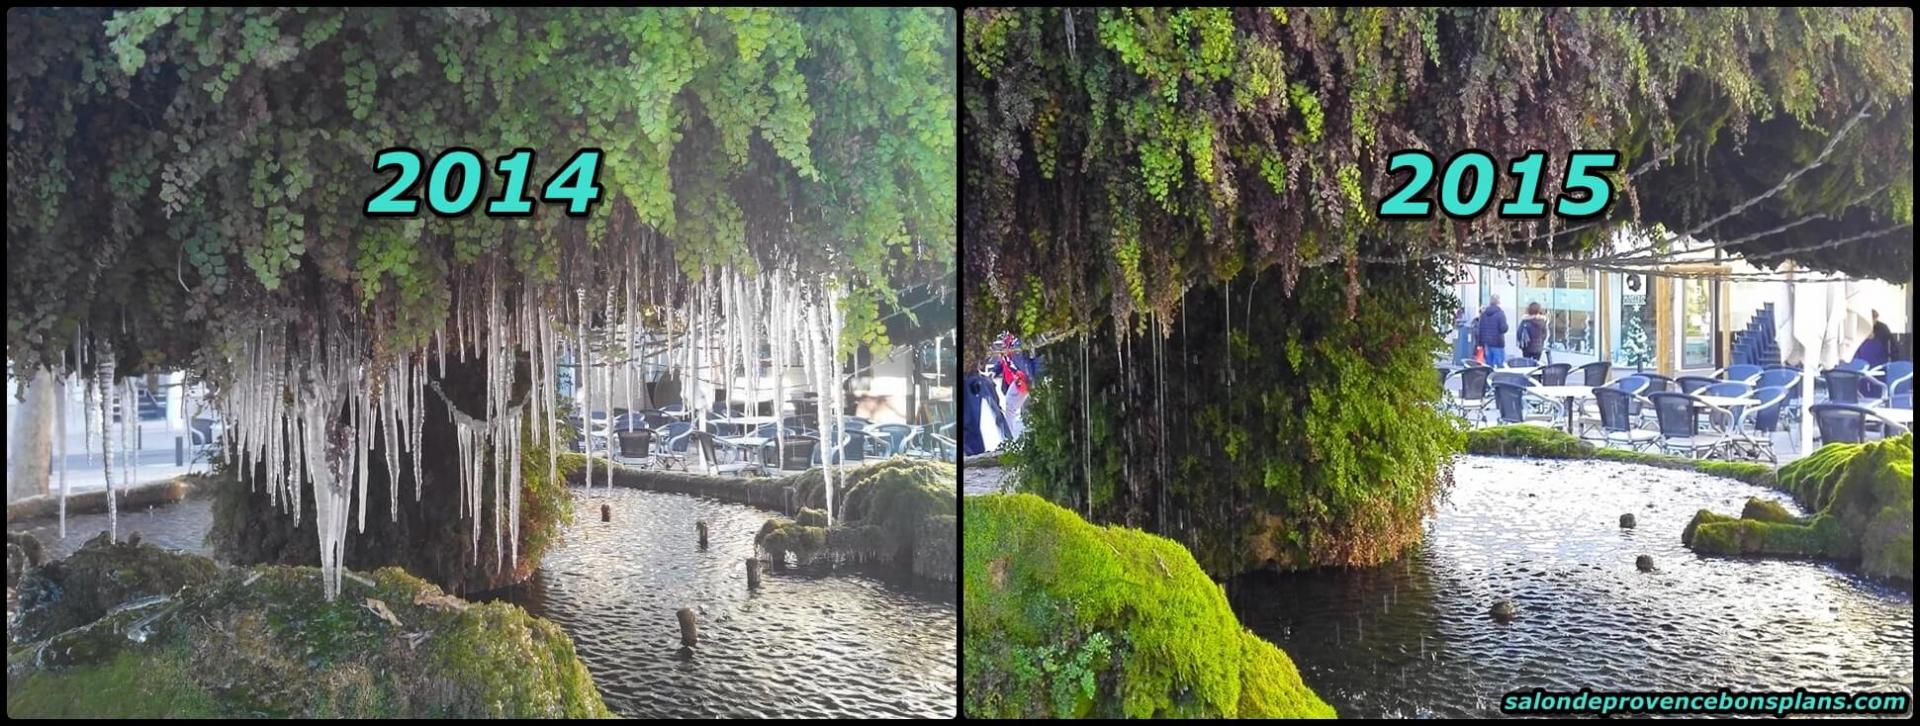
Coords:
127,685
1042,587
1525,440
1863,495
1821,537
262,641
1301,417
811,517
1550,443
1766,510
81,588
1699,518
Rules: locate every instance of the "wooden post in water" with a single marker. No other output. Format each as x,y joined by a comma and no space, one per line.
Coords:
689,632
606,512
702,526
753,573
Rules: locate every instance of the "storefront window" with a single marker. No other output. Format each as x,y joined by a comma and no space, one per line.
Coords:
1632,338
1696,323
1567,299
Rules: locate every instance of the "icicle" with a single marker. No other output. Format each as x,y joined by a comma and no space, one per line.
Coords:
129,419
606,395
60,440
586,395
109,400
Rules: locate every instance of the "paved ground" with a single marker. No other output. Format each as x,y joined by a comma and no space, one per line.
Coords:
977,479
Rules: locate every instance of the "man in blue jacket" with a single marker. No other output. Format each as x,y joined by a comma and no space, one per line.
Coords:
1493,333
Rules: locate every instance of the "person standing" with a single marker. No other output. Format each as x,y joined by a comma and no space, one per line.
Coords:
1533,332
1492,333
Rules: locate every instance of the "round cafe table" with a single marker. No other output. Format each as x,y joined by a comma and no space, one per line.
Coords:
1567,393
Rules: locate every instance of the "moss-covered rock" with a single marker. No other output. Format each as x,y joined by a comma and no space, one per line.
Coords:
1767,510
1550,443
811,517
1701,517
80,589
1525,440
262,641
934,553
1863,498
1065,618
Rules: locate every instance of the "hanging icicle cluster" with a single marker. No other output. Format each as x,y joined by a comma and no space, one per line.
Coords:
314,402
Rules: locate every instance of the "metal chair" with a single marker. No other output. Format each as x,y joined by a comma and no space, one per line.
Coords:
1845,385
1858,365
897,435
1473,391
709,449
1763,419
1840,422
1900,392
1595,373
1618,409
1694,384
1553,374
1657,383
1512,401
1679,424
1740,372
1513,378
1778,378
1520,362
636,448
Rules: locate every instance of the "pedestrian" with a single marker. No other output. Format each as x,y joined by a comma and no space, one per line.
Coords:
1877,349
1492,332
1533,332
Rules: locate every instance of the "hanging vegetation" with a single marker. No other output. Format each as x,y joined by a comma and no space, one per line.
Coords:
190,186
1117,157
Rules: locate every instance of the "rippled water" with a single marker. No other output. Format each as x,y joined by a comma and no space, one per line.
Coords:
178,526
1414,638
803,646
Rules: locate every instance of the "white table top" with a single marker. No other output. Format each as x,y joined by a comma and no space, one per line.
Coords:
1729,401
749,440
752,420
1563,391
1897,415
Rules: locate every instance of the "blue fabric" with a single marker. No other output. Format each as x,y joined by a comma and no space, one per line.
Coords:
1496,357
979,398
1493,330
1872,351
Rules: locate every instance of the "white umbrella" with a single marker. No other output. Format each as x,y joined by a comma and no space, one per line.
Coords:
1817,325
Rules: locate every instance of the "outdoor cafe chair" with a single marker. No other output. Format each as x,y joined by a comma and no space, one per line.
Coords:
1840,422
636,448
1553,374
1739,372
1845,385
1762,419
1520,362
709,447
1617,407
1595,373
1657,383
1677,415
1694,384
1473,391
1512,401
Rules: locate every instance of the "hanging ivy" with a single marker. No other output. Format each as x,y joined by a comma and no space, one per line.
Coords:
180,172
1219,141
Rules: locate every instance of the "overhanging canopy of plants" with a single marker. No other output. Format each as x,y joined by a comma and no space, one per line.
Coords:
1115,157
174,172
